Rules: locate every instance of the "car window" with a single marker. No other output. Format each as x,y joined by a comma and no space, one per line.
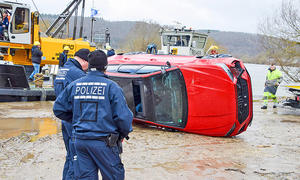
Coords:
129,68
133,69
148,69
112,68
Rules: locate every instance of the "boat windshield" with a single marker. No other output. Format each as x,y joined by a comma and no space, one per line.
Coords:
170,98
176,40
198,42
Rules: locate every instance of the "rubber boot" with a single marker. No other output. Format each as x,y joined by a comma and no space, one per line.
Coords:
264,107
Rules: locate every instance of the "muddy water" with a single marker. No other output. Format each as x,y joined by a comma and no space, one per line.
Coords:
23,117
269,149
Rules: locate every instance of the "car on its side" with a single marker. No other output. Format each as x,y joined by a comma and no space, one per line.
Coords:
210,95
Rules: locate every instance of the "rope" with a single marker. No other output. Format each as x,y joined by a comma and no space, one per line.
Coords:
38,80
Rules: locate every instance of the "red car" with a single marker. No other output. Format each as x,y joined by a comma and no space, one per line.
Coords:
209,95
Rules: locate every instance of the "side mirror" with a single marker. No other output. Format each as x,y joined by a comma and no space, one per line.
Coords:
163,70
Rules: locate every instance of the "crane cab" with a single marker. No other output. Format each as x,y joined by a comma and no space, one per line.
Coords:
18,28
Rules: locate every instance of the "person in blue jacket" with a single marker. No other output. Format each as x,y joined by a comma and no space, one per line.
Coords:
110,51
63,57
97,108
73,69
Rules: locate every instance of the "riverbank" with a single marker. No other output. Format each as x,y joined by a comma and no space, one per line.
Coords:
269,149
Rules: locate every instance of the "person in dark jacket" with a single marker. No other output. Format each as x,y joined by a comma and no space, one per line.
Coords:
1,29
97,108
63,57
5,21
73,69
110,51
36,58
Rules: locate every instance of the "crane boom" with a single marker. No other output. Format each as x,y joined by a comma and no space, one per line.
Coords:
66,15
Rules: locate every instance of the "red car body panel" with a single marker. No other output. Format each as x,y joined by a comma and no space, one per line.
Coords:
219,103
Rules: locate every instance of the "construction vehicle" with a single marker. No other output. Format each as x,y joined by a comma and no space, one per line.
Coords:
17,39
293,102
24,30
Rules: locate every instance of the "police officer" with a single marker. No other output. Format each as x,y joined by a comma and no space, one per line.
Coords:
273,79
100,116
73,69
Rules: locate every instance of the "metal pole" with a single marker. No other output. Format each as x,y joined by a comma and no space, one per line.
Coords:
92,27
75,23
68,29
82,19
168,48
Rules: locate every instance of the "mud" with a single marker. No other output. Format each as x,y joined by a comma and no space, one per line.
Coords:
31,147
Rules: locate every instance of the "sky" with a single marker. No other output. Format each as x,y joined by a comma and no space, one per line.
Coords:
224,15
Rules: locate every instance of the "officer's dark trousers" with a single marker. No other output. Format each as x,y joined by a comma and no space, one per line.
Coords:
68,172
95,154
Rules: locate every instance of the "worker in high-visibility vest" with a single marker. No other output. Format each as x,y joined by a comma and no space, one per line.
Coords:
273,79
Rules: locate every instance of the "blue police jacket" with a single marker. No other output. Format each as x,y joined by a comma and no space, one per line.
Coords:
96,106
71,71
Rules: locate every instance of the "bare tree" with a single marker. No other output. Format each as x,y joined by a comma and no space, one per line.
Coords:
142,34
281,38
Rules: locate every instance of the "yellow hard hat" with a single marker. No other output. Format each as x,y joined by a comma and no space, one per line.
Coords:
36,43
214,47
108,47
66,48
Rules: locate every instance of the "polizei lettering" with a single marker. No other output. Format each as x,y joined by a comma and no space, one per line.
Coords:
91,90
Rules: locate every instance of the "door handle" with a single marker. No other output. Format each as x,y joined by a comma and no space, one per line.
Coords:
13,37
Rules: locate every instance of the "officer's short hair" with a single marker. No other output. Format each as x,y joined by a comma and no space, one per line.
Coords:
98,60
82,53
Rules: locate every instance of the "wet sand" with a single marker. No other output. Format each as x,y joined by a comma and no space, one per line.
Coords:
31,147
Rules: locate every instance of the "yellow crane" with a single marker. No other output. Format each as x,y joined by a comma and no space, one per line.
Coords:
17,39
